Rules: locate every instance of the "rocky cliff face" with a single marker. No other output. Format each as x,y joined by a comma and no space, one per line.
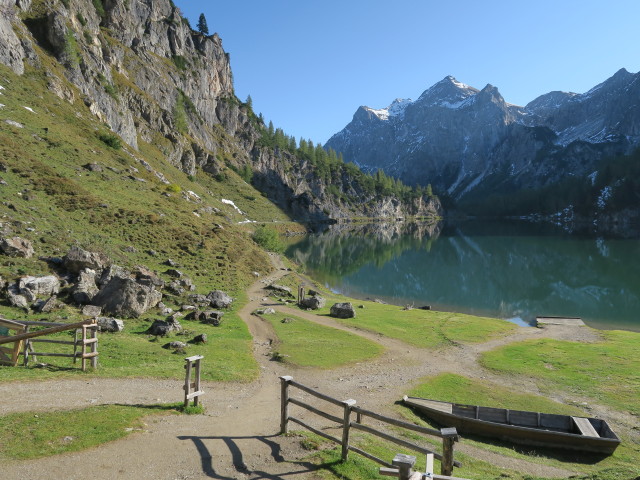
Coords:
470,142
141,69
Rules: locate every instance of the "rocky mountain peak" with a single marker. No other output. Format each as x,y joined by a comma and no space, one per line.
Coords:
448,92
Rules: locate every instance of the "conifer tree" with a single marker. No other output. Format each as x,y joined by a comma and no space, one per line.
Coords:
202,26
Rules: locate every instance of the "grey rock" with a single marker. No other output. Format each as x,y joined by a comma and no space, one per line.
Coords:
175,345
211,317
279,288
144,276
175,288
33,287
199,339
342,310
46,306
91,311
286,320
164,327
15,298
266,311
109,324
313,303
78,259
219,299
85,288
124,297
199,299
113,271
16,247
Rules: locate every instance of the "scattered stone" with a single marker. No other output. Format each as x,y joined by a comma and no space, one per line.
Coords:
86,287
425,307
313,293
175,288
170,263
16,247
279,288
377,300
130,249
166,311
360,306
152,253
199,299
91,311
211,317
46,306
187,308
219,299
144,276
14,124
175,345
198,339
93,167
342,310
266,311
174,273
164,327
313,303
78,259
286,320
256,274
109,324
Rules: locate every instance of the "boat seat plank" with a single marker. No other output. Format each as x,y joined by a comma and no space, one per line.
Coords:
440,406
585,427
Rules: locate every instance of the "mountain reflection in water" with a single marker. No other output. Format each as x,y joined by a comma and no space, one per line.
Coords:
505,270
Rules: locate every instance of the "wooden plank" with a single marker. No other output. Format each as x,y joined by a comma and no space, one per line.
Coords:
445,407
194,394
194,358
585,427
371,457
397,423
319,395
315,430
315,410
46,331
60,342
398,441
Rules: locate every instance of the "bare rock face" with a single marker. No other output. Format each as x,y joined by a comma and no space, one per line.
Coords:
342,310
16,247
78,259
124,297
11,51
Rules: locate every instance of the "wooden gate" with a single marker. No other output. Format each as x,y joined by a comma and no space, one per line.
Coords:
9,355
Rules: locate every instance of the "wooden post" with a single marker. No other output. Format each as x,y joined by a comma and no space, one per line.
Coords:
94,346
429,465
301,294
196,400
449,437
187,384
346,426
405,465
84,348
284,404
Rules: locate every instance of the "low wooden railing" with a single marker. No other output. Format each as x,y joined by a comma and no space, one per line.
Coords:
449,435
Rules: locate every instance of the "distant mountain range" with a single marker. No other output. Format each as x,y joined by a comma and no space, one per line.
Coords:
471,144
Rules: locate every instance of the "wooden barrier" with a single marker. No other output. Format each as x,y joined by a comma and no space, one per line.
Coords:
9,356
192,389
449,435
89,329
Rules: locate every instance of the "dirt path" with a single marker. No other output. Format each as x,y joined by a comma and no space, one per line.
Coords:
236,439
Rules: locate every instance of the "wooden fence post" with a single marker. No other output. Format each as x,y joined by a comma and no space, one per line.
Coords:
449,437
284,404
188,384
405,465
346,427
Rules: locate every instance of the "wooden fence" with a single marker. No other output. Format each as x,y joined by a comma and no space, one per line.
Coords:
449,435
9,355
88,341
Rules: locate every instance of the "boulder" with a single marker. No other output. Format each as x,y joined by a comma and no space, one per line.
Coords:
198,299
78,259
175,288
342,310
212,317
33,287
164,327
199,339
16,247
109,324
85,288
124,297
144,276
15,298
279,288
46,306
219,299
313,303
91,311
110,272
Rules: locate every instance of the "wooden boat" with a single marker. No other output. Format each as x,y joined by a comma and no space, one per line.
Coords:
528,428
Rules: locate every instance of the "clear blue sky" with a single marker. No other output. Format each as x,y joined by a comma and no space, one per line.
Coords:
309,64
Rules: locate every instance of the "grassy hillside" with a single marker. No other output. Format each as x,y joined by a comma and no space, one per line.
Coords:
137,208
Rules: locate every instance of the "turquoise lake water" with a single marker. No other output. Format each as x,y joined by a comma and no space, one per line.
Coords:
510,270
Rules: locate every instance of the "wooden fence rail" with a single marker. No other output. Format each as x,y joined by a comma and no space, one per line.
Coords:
88,343
449,435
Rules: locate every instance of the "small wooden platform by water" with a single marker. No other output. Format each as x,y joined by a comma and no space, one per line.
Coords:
566,321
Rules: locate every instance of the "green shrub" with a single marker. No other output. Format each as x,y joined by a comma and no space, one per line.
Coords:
173,188
267,237
110,140
99,6
180,62
70,50
81,19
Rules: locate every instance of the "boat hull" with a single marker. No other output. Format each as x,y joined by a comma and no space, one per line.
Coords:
554,431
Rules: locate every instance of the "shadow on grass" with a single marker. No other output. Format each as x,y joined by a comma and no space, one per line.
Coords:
204,444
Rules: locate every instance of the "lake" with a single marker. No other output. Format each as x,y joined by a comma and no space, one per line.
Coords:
510,270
